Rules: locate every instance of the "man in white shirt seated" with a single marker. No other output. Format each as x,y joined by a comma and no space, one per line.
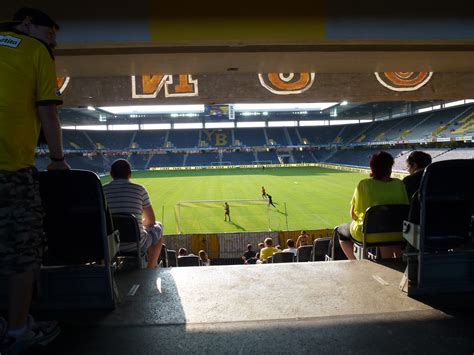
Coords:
291,246
124,196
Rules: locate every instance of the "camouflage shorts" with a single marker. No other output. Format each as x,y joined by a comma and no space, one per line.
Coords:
21,221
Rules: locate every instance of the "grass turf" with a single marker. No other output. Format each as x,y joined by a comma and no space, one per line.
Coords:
315,198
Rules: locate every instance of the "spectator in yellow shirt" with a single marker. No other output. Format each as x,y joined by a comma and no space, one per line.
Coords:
379,189
269,250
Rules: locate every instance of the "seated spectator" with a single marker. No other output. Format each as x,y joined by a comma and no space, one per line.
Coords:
124,196
291,246
249,256
205,261
417,161
379,189
182,252
269,250
303,239
260,247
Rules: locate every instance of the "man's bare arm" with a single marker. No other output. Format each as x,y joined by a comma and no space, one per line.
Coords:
49,119
148,216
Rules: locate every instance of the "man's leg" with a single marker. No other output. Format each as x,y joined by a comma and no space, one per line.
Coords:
343,233
20,245
348,248
20,291
390,252
154,250
153,254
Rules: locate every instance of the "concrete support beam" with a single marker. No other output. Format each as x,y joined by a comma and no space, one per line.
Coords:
233,88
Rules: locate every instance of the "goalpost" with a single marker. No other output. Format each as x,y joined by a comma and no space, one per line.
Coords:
245,214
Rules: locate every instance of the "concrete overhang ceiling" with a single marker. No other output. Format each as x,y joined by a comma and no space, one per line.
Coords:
102,44
137,59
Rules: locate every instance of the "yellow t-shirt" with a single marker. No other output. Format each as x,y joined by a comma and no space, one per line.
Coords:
268,251
27,80
371,192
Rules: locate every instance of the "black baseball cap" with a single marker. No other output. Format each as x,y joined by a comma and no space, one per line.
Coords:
38,17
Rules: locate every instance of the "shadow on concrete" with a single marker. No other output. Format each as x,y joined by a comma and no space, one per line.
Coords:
426,332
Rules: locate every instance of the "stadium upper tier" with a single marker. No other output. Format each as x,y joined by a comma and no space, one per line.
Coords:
349,144
452,123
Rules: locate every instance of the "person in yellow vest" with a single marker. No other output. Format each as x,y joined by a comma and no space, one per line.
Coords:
379,189
28,99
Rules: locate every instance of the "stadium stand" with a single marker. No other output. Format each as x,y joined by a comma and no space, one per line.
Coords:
458,153
202,159
183,138
267,157
139,161
320,135
167,159
321,155
353,134
278,136
42,162
111,139
294,136
355,142
303,157
95,163
216,138
251,137
239,158
431,125
76,140
150,139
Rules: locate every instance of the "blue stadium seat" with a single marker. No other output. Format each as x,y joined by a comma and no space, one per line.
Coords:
442,256
129,230
283,257
81,242
320,249
304,253
382,219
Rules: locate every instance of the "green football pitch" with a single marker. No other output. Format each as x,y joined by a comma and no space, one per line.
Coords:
305,198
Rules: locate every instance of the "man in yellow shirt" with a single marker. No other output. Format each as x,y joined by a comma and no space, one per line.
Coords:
269,250
28,99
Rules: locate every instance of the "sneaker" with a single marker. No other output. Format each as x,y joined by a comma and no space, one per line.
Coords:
38,333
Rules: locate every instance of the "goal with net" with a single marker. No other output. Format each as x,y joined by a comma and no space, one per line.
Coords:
203,216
